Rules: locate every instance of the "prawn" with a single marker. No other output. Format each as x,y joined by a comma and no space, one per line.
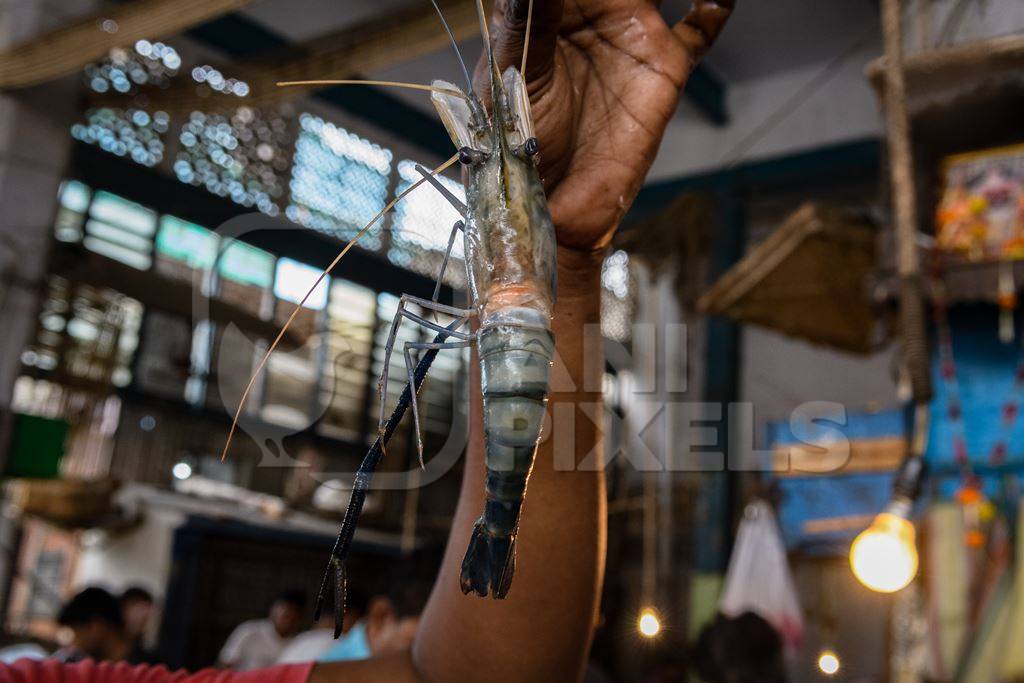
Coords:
509,246
510,261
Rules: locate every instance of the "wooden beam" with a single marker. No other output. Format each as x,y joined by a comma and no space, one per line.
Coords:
67,49
375,45
969,63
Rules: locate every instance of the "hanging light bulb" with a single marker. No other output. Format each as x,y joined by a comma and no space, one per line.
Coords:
828,662
648,623
884,556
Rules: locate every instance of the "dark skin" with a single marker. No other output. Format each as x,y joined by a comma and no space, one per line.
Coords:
604,78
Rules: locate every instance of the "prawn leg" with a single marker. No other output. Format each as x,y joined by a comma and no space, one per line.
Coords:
461,314
364,475
410,366
456,229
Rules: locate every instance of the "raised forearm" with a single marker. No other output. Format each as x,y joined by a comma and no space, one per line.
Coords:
541,631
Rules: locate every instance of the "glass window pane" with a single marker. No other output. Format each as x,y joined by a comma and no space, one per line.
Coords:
290,396
184,250
293,280
130,133
165,362
339,181
246,264
349,347
73,202
75,195
422,224
124,214
244,157
118,236
246,275
125,255
85,334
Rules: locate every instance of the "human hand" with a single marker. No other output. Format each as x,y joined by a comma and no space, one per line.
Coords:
604,78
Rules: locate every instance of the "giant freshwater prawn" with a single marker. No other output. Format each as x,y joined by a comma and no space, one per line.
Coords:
510,261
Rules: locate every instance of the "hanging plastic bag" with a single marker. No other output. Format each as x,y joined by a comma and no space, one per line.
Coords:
758,579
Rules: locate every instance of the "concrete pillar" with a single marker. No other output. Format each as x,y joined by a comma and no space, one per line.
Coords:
34,148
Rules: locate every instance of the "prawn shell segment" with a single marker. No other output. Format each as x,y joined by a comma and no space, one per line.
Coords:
519,107
456,116
515,365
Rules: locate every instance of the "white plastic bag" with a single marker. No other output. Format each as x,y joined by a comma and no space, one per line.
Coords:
758,579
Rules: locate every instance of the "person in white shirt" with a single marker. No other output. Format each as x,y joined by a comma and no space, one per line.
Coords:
309,646
258,643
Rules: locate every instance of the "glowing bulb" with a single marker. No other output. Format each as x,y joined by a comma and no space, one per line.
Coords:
884,556
182,470
648,624
828,662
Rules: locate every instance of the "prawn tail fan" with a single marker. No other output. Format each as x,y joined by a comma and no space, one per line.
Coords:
489,564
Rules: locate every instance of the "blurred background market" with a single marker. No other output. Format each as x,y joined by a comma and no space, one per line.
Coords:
815,358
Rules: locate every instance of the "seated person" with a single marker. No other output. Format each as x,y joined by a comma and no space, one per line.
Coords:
392,618
258,643
311,645
137,608
98,630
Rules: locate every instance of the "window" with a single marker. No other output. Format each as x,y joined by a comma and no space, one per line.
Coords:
290,395
243,157
184,250
85,335
339,181
422,225
121,230
130,133
351,312
72,205
246,276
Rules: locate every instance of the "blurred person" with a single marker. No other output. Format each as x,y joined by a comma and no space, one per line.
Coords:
604,79
137,609
742,649
98,629
258,643
311,645
393,617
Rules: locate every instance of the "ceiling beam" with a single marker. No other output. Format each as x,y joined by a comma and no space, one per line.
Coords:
68,49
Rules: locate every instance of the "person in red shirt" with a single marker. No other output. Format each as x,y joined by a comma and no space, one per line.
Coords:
604,78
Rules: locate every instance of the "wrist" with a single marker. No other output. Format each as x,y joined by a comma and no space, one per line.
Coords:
579,276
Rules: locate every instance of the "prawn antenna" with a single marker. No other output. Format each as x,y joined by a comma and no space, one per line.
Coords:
455,46
526,38
389,84
486,35
288,323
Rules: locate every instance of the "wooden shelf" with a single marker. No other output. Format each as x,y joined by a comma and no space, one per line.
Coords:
939,75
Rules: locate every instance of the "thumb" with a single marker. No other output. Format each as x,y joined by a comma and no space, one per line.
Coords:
509,35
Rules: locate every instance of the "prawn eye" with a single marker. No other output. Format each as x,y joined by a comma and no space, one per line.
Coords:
531,147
